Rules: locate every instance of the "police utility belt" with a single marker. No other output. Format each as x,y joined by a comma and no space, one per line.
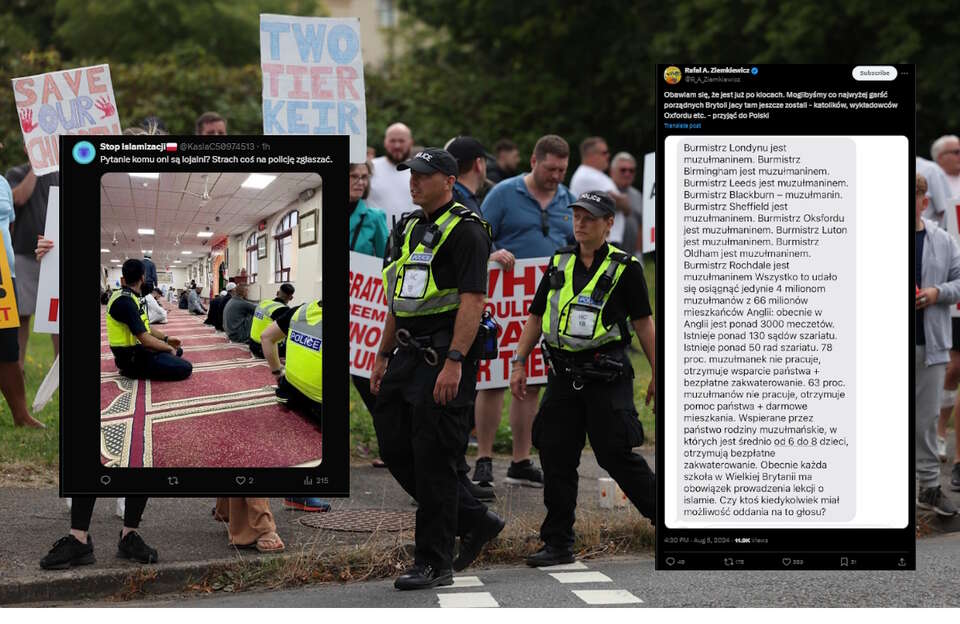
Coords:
603,367
485,346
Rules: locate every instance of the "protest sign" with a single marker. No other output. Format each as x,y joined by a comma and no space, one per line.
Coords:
368,311
72,101
649,202
46,319
313,78
509,296
8,298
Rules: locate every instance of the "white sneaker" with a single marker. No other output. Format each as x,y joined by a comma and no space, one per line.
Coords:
942,448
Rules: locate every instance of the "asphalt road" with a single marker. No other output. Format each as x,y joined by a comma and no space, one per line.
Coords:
634,580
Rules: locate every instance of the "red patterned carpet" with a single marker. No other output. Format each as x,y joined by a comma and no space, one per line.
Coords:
224,415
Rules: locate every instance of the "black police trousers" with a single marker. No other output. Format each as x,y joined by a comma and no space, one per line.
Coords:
606,413
423,444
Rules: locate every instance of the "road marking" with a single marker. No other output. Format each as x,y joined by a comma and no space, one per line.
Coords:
576,565
582,577
606,596
460,582
467,600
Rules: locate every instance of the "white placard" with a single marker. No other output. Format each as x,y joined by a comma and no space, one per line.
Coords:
46,319
649,202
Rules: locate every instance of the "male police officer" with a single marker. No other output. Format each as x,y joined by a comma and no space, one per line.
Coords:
435,281
581,308
268,311
141,352
300,383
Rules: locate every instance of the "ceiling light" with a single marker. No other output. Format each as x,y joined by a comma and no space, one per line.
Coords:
104,251
177,261
204,234
145,231
117,261
258,181
186,252
147,251
152,176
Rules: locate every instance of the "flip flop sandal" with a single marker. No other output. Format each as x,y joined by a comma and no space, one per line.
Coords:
263,544
379,463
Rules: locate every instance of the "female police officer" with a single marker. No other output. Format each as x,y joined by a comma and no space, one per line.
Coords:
581,308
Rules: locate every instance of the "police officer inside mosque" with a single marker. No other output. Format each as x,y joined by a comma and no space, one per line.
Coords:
586,305
141,351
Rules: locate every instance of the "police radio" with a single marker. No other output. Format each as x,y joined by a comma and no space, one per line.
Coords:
486,344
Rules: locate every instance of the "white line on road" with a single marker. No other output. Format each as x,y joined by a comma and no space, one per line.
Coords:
582,577
606,596
467,600
460,582
576,565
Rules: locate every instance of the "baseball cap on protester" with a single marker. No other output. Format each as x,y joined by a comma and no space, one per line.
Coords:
465,148
431,160
597,203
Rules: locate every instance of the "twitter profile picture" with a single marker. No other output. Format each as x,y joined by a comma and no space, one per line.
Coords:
672,75
84,153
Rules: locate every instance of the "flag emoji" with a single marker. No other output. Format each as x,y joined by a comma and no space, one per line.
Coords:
171,147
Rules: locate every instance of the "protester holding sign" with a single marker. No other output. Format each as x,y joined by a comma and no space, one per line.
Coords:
582,309
11,373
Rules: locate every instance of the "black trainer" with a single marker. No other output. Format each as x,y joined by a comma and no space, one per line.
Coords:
68,551
423,577
955,478
479,491
133,547
471,544
483,471
524,473
932,499
550,556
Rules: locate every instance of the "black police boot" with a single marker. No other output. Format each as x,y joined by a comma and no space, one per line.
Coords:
480,491
488,528
550,556
423,577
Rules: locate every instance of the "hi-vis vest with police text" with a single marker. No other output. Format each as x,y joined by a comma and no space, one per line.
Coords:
573,321
118,333
304,366
262,318
409,283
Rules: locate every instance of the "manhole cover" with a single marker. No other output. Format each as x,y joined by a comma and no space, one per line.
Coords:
361,520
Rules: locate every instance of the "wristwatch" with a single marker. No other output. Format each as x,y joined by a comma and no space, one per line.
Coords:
517,359
454,355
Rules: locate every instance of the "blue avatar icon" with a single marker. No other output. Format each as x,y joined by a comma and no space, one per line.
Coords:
754,70
84,153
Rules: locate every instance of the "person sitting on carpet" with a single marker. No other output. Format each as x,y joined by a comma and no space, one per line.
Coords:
267,311
152,297
215,315
238,315
184,303
299,386
141,352
193,301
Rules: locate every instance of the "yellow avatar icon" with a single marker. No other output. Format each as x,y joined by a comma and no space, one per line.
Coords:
672,75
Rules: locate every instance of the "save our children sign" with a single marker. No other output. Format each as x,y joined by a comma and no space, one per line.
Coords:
313,78
509,295
71,101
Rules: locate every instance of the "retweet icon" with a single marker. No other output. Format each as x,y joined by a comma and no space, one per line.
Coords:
84,153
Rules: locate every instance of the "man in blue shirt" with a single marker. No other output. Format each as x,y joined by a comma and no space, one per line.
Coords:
530,218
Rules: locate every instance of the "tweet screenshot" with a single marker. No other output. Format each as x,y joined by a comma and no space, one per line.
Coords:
785,395
208,367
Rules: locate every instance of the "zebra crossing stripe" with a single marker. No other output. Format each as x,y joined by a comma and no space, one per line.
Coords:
467,600
582,577
459,582
576,565
606,596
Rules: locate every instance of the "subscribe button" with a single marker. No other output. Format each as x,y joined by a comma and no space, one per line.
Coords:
874,72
